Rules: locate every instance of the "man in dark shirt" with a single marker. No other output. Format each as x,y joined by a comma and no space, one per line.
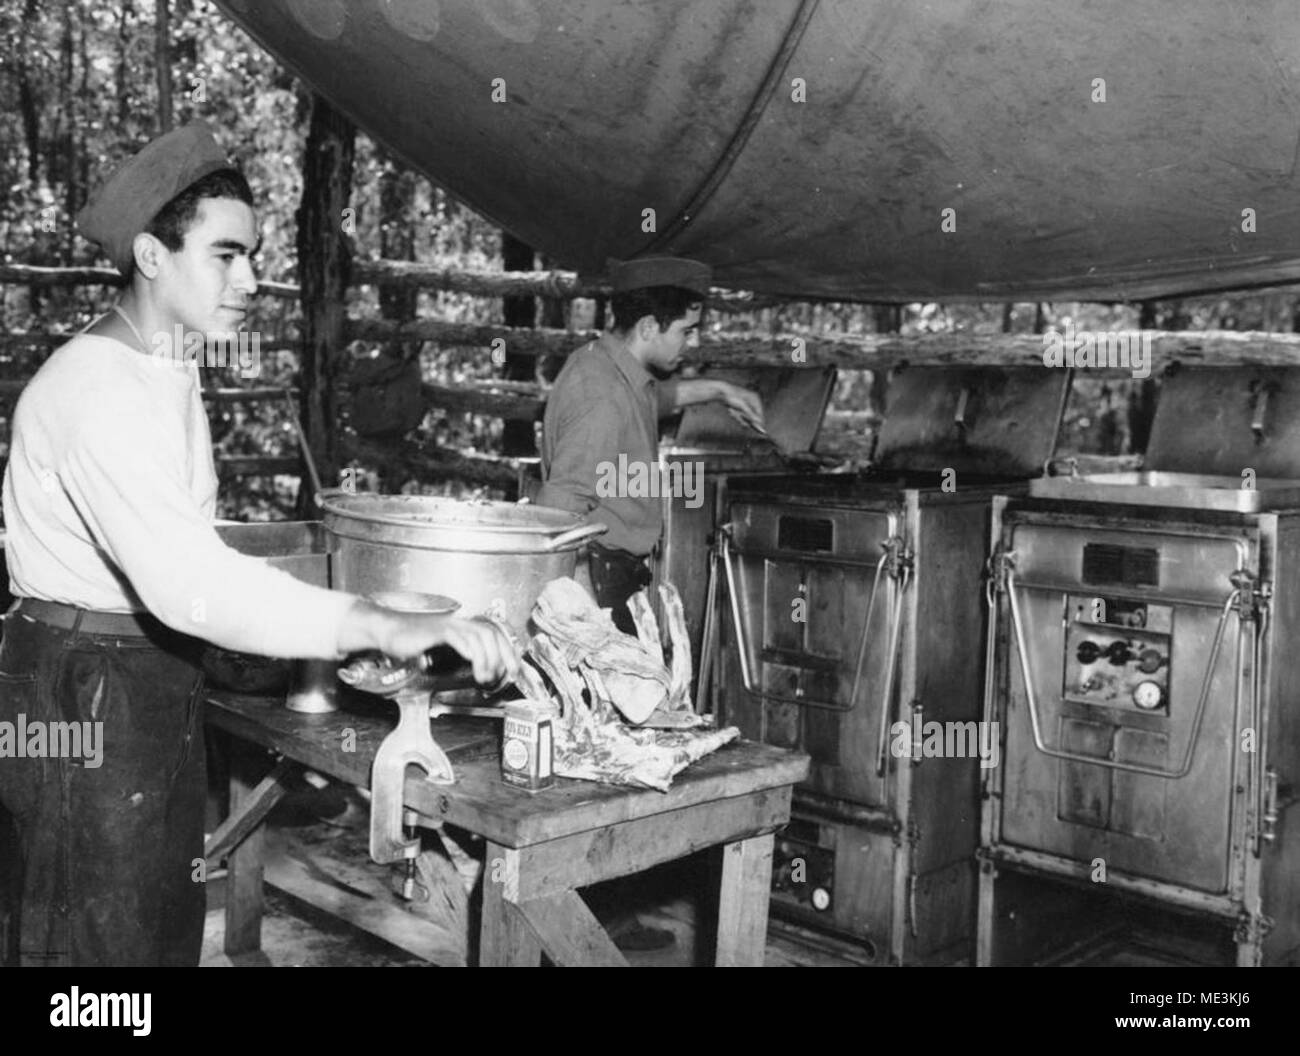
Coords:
601,428
600,448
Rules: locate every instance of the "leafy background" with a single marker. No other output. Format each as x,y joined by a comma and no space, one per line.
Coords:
78,92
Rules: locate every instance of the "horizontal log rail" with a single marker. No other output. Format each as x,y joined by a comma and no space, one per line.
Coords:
428,462
1217,348
258,465
433,462
565,285
514,404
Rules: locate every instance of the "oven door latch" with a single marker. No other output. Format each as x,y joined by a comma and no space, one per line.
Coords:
1271,813
1251,595
1000,563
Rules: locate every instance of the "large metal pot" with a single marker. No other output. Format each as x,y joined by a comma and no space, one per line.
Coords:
492,557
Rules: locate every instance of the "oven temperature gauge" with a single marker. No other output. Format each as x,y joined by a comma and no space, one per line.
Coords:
1147,695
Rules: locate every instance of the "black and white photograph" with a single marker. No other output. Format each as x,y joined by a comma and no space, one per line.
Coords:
651,483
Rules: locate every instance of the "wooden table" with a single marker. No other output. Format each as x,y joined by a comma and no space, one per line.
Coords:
541,847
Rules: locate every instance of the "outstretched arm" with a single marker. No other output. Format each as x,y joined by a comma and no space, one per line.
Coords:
745,405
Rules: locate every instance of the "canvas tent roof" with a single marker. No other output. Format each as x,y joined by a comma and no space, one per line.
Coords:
911,108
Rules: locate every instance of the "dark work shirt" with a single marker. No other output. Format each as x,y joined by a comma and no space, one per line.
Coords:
604,404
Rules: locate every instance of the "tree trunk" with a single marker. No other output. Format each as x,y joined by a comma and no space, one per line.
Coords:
517,438
888,319
27,98
397,186
59,162
324,271
79,168
162,65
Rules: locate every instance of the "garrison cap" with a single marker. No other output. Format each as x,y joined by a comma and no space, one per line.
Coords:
660,271
130,198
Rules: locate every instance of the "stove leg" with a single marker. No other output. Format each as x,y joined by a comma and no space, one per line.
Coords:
1249,936
985,915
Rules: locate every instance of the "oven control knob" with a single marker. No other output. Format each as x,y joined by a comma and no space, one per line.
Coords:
1119,653
1088,652
821,899
1147,695
1149,661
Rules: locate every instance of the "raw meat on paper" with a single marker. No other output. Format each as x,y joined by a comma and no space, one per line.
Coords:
635,726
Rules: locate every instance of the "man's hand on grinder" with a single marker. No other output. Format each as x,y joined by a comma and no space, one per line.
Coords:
408,634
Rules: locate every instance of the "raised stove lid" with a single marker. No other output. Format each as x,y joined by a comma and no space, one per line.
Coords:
996,421
1224,420
794,404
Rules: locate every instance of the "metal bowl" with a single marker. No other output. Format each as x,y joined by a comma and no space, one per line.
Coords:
491,558
414,601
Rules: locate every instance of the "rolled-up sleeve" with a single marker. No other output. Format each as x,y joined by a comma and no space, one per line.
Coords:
128,487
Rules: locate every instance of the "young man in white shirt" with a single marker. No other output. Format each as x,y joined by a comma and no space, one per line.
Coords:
109,497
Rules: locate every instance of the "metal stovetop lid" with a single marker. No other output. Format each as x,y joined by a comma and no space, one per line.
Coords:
992,421
1226,420
794,404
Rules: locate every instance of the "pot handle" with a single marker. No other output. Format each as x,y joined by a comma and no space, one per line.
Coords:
324,494
573,535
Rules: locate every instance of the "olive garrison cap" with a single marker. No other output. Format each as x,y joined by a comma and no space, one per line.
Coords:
142,185
660,271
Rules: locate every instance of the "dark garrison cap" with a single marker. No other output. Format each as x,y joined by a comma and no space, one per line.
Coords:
142,185
660,271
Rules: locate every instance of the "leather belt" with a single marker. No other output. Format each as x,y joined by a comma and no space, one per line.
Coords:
88,621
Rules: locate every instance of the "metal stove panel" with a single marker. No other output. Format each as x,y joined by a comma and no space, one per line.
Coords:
804,580
1216,420
1000,421
1243,493
1084,658
1094,557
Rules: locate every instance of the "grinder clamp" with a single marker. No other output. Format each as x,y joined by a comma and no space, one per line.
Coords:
414,688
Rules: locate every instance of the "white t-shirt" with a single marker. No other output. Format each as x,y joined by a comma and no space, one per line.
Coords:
109,499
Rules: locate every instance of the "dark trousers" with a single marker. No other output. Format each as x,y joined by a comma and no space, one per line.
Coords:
104,864
615,576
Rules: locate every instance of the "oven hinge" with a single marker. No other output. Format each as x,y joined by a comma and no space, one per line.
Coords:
1251,929
1000,562
1271,813
898,558
913,838
1254,596
916,729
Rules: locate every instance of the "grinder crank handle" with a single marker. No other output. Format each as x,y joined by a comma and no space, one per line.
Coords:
386,677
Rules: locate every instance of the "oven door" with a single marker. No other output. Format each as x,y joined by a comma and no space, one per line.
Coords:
1128,677
814,614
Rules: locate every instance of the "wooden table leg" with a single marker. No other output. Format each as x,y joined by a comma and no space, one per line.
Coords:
244,865
505,939
250,814
742,909
569,932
